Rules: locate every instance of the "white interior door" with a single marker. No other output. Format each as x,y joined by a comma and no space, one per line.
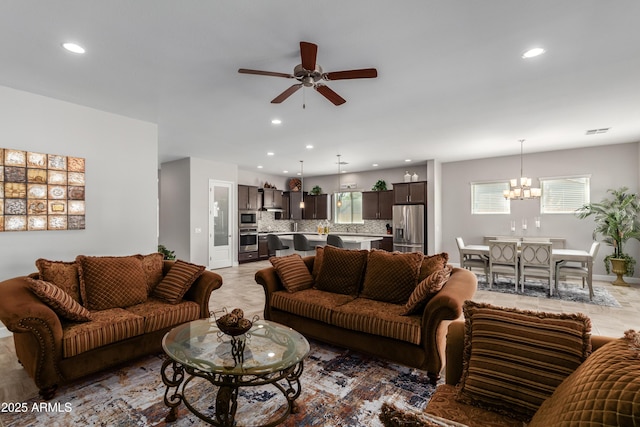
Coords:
221,224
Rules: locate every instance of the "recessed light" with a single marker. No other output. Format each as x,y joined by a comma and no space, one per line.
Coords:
259,166
375,165
407,160
270,153
309,146
531,53
276,121
73,47
285,171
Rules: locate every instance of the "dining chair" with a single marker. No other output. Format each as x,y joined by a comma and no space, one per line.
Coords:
335,240
566,269
275,244
301,244
536,260
472,260
503,260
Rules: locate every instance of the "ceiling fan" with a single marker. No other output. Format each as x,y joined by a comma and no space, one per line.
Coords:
310,74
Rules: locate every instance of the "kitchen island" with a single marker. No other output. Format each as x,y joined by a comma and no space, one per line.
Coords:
350,241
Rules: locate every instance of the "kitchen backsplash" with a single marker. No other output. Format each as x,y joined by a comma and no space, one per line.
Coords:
268,223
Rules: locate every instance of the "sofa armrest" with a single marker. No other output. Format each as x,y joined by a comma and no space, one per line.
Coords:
270,282
444,307
37,330
201,290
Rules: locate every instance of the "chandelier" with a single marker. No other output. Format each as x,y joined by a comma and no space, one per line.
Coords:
524,190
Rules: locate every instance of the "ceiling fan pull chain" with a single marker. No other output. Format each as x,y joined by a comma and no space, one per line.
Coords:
304,103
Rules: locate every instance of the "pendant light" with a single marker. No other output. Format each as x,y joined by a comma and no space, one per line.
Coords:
301,186
339,201
524,190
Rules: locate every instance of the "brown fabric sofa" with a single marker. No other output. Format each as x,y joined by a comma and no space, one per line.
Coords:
55,350
603,390
362,321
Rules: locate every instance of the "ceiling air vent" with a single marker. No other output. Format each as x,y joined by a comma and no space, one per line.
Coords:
596,131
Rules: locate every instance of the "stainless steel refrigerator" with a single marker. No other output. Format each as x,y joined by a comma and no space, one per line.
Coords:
409,228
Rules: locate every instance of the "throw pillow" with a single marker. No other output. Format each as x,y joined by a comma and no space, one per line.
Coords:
63,274
60,301
152,265
342,270
391,276
426,289
293,272
513,359
111,282
603,391
317,262
391,416
432,263
177,281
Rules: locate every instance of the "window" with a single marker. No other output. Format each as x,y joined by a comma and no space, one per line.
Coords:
351,210
488,198
564,195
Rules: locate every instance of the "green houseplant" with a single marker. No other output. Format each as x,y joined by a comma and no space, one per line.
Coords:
616,220
168,254
316,191
380,185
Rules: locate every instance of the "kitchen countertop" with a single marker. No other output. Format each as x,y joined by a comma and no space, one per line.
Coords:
311,233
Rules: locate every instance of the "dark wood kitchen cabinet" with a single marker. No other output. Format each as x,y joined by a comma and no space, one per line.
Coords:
291,205
271,198
377,204
316,207
263,247
247,197
410,193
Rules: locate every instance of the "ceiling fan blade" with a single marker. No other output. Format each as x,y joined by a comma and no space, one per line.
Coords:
365,73
287,93
330,94
265,73
308,54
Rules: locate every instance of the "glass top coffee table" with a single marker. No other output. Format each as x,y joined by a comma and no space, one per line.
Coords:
268,354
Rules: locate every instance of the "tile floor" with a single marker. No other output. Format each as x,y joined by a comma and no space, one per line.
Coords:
240,290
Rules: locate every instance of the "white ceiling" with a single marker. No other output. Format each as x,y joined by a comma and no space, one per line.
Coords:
451,83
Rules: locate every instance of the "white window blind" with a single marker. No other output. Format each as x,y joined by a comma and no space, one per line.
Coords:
564,195
488,198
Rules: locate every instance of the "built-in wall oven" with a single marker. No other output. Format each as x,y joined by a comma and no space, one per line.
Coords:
248,241
248,219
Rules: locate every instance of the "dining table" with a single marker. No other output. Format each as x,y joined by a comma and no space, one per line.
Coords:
558,255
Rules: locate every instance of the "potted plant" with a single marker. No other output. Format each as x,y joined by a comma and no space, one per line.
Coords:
316,191
616,220
380,185
166,253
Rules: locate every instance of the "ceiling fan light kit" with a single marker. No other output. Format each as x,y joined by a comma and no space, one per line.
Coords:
310,74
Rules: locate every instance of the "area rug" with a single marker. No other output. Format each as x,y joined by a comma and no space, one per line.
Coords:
339,388
566,291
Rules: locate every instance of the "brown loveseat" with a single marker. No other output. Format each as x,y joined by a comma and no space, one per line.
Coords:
371,317
532,369
121,309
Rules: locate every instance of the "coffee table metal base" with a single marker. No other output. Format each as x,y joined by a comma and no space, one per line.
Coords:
177,377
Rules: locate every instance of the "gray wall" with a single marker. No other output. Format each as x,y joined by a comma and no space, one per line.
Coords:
611,166
121,178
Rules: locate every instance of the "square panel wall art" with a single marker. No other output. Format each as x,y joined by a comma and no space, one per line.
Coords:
41,191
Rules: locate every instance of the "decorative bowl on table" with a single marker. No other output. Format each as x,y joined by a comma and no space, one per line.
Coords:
234,323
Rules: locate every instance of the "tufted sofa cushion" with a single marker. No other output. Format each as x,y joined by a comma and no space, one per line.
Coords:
342,270
391,276
110,282
603,391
